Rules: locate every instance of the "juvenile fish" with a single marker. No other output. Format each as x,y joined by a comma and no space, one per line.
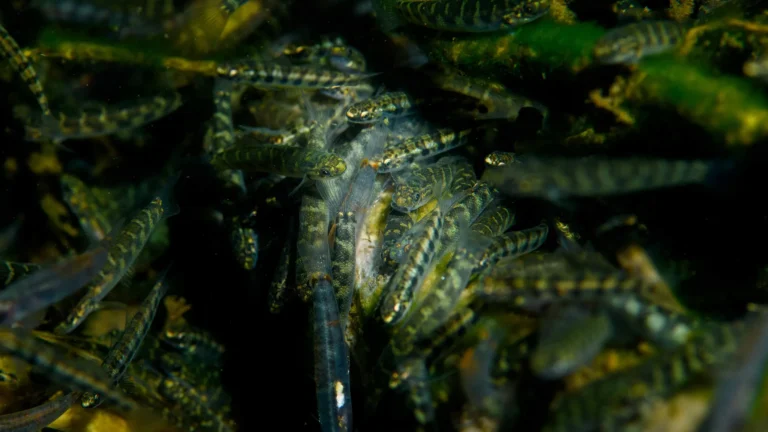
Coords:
11,51
401,155
122,253
283,160
78,374
85,205
49,285
37,418
609,402
471,15
630,43
387,105
554,179
500,158
124,350
417,187
107,122
410,273
270,75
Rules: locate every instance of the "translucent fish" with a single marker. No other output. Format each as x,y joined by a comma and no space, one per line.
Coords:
123,251
399,156
283,160
124,350
109,121
195,343
416,187
630,43
494,221
75,373
411,272
555,179
569,337
272,75
11,51
387,105
37,418
49,285
738,383
471,15
193,402
499,158
334,397
85,205
611,401
333,53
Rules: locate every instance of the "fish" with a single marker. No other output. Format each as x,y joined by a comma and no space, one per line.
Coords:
124,350
49,284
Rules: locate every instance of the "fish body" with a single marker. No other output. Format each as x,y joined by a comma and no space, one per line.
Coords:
283,160
108,121
555,179
387,105
632,42
268,75
37,418
401,155
471,15
123,251
11,51
49,285
122,353
418,186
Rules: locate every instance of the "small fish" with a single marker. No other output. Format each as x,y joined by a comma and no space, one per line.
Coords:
283,160
78,374
471,15
400,155
193,402
500,158
269,75
494,221
85,205
224,132
123,251
49,285
335,54
411,272
417,187
630,43
15,55
123,351
569,337
334,397
608,403
196,344
387,105
555,179
37,418
108,121
513,244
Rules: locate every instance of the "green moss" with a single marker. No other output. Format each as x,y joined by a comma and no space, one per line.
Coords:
543,41
724,105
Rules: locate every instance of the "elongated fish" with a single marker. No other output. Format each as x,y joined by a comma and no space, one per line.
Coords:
122,352
11,51
283,160
75,373
37,418
124,250
49,285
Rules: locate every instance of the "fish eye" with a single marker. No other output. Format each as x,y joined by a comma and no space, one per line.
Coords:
325,173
